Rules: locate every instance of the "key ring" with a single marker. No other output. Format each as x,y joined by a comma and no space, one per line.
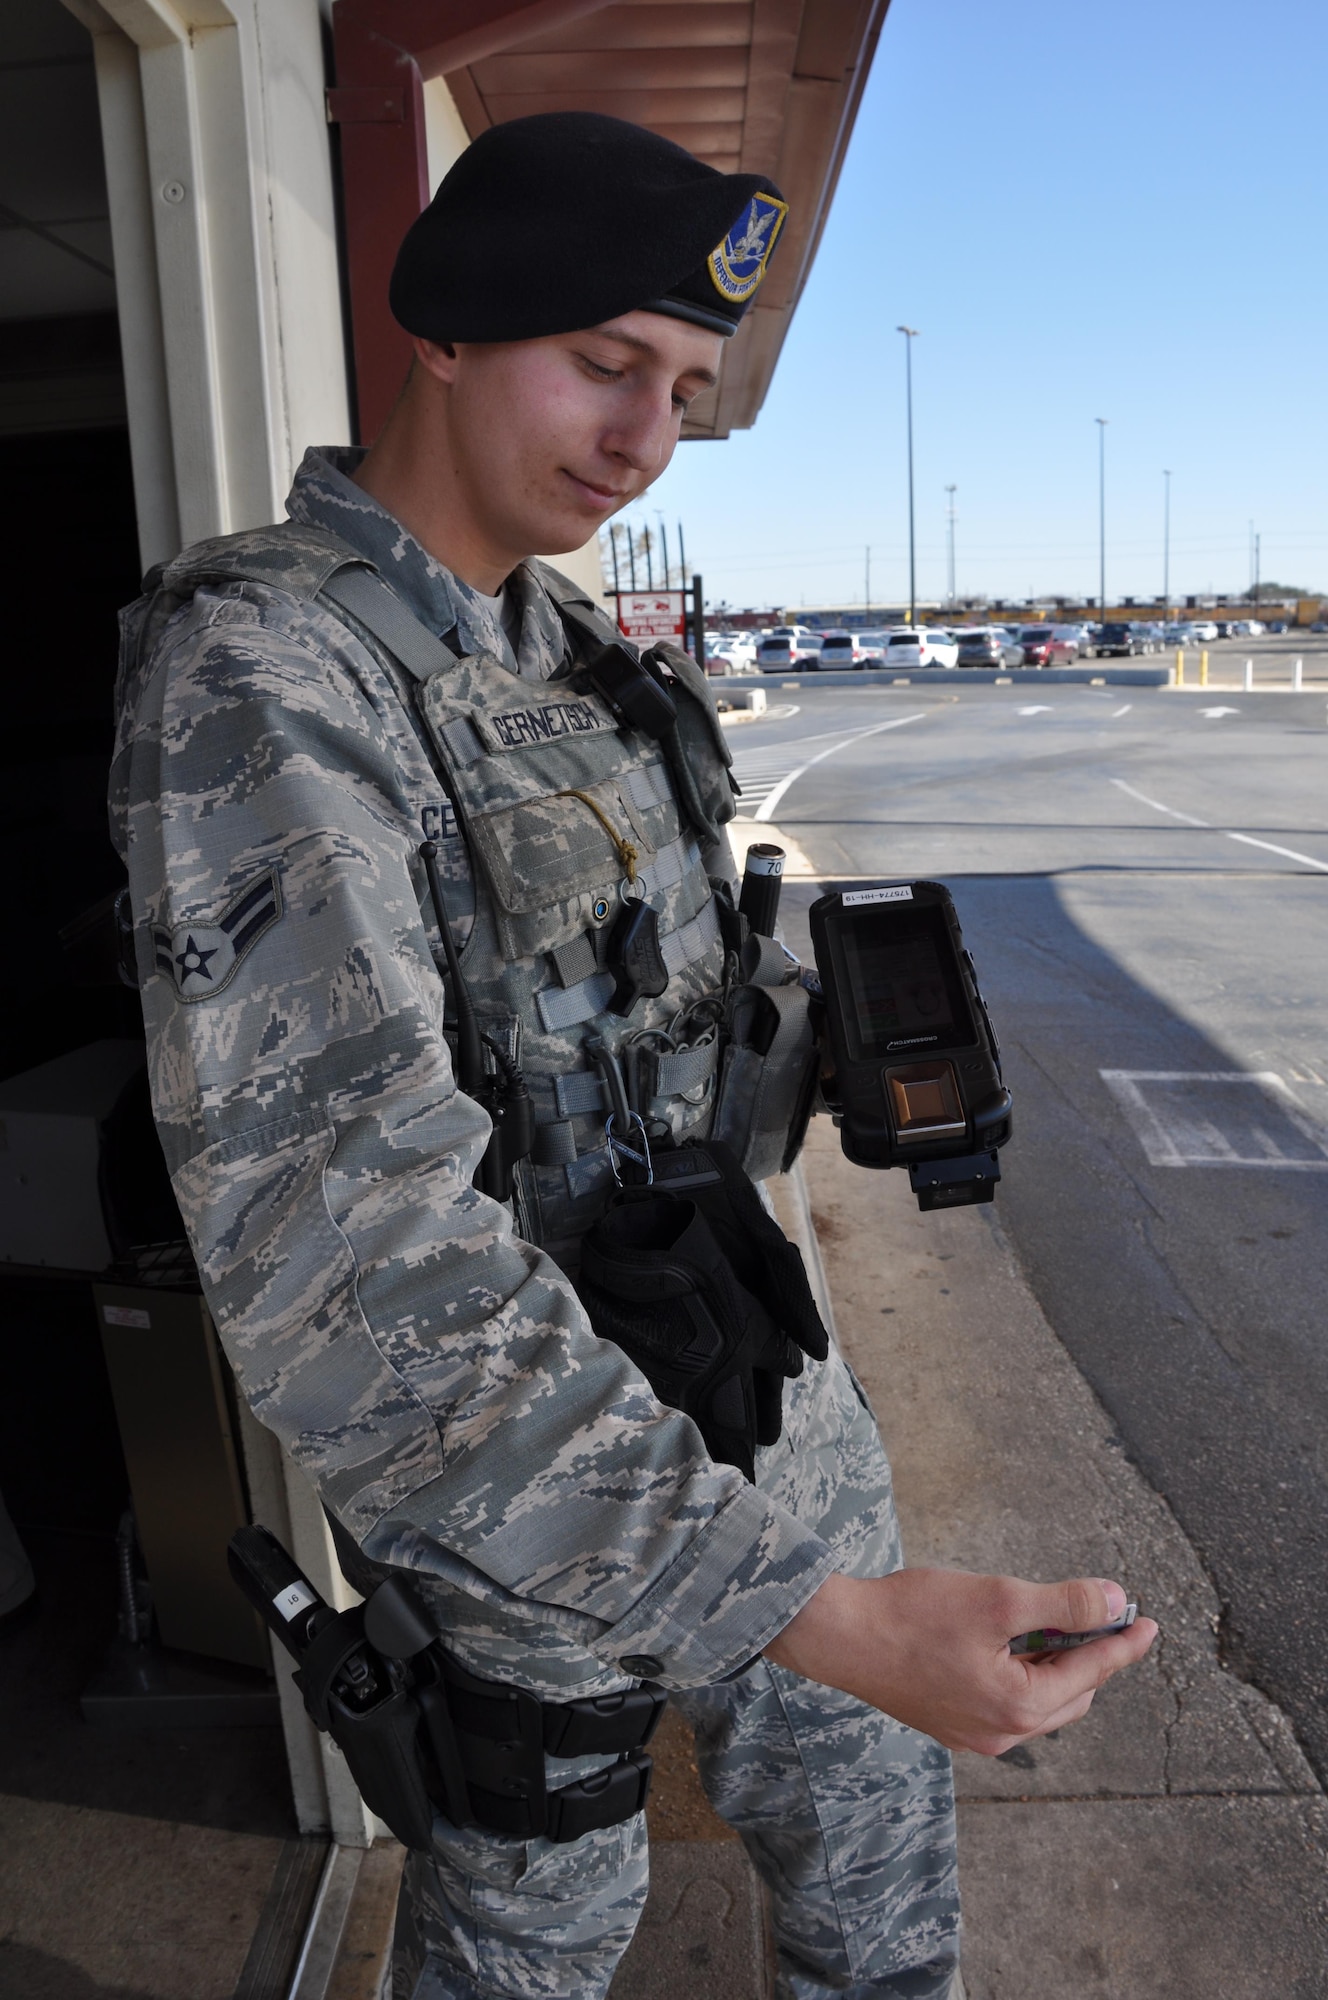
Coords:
635,1123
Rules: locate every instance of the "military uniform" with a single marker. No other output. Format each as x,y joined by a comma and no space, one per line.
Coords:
412,1342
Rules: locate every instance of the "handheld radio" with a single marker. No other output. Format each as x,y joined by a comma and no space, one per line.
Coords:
917,1080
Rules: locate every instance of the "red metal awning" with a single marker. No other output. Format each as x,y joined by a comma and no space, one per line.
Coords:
761,86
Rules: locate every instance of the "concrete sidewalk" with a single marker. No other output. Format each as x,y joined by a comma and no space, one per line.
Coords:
1173,1843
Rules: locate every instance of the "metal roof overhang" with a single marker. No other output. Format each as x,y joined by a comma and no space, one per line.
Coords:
760,86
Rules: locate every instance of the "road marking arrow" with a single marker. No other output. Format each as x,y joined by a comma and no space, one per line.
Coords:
1038,708
1213,713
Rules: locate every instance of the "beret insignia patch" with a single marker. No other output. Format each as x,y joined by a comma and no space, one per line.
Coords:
200,958
738,265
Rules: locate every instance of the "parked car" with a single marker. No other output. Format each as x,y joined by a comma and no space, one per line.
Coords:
843,649
1151,637
1046,646
921,646
737,648
988,646
1084,638
873,648
787,647
1071,637
1203,630
1114,640
1225,628
1279,625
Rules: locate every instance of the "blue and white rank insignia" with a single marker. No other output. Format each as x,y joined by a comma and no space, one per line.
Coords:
201,958
738,265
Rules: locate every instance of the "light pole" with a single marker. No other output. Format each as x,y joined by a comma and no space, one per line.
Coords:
1102,423
910,334
1166,552
950,566
866,586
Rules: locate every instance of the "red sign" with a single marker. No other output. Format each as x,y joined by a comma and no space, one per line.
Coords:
651,614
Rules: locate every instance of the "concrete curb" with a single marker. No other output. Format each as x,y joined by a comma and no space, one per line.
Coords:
1097,675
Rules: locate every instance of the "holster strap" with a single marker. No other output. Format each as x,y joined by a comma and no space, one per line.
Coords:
504,1733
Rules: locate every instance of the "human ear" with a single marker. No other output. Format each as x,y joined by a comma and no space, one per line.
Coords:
439,358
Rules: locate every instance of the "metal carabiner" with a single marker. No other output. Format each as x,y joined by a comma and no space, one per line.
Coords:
615,1147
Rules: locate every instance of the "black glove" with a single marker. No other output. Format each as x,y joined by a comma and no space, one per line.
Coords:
702,1290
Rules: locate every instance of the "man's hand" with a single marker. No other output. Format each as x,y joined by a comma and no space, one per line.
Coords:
932,1648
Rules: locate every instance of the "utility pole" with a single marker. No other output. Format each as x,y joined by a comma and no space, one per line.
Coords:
866,587
1102,423
950,562
1166,552
1257,540
613,544
682,559
910,334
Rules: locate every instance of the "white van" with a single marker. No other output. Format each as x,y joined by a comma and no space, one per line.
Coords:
786,647
921,646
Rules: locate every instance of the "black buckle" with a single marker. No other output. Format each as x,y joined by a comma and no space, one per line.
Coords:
604,1799
602,1724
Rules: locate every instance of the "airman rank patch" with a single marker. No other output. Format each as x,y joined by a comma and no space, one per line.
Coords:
738,265
202,958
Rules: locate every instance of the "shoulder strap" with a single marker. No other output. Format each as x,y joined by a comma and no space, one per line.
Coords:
376,606
577,610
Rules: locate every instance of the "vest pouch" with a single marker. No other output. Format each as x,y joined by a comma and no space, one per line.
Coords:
699,757
767,1078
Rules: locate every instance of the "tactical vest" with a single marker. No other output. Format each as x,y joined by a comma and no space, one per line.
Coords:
547,783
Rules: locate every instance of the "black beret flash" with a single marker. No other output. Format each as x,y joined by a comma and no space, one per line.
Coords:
558,222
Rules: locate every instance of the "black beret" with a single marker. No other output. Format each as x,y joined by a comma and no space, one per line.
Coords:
553,223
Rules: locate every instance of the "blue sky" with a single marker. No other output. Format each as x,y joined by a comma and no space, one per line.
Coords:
1086,209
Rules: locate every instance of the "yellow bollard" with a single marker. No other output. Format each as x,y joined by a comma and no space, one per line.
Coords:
1203,668
1180,668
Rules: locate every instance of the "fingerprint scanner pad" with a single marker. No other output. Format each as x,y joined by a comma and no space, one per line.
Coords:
924,1101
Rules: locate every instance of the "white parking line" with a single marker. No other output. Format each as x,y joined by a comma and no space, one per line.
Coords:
765,775
1117,712
1157,804
1289,852
1248,839
1218,1118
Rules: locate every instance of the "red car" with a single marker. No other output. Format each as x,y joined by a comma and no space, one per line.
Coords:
1044,646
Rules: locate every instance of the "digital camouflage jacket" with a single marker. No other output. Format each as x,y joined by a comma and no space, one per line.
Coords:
430,1370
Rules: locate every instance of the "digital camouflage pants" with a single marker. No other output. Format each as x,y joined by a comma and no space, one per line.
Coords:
847,1815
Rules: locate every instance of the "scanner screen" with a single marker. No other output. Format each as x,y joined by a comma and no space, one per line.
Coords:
903,990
